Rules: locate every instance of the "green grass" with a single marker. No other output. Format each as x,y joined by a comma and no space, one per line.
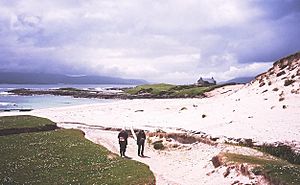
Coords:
155,89
62,157
11,122
277,171
282,151
194,91
169,90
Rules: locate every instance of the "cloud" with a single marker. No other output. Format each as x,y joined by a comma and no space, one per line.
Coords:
160,41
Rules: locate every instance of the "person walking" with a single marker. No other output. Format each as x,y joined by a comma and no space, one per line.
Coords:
141,137
123,136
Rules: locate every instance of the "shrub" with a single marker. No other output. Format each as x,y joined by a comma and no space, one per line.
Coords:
203,115
283,65
280,73
158,146
288,82
262,84
275,89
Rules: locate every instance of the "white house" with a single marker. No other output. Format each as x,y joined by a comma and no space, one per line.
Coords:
206,81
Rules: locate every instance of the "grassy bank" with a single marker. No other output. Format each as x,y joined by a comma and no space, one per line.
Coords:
277,171
170,90
61,157
18,122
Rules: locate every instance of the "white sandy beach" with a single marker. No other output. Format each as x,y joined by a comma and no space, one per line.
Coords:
254,111
243,114
240,114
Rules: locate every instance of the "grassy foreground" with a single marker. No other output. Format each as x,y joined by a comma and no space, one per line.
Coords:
61,157
277,171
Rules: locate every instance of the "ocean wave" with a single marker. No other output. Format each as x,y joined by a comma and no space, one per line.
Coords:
7,104
5,93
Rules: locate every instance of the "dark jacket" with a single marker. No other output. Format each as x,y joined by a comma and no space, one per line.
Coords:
123,135
141,137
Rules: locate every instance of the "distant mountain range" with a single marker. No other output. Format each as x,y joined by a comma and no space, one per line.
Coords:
42,78
240,80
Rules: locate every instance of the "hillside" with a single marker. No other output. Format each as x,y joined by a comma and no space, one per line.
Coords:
43,78
282,80
240,80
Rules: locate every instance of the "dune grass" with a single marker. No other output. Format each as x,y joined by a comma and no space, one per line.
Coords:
277,171
62,157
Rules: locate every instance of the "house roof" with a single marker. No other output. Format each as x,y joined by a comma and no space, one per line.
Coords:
209,80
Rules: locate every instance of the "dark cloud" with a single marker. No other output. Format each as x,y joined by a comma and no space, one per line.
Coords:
167,41
278,9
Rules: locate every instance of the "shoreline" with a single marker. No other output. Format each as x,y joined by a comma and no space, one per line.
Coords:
234,118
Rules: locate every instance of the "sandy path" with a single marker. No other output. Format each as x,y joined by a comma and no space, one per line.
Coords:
174,167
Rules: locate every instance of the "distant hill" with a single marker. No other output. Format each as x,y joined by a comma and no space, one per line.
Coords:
240,80
43,78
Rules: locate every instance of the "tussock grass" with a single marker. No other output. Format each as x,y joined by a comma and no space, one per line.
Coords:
282,151
62,157
277,171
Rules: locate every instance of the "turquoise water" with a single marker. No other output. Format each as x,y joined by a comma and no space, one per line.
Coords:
9,101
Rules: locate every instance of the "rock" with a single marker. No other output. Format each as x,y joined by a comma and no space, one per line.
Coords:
139,110
183,108
217,161
235,182
209,173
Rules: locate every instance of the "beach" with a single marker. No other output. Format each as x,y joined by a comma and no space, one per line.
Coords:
239,112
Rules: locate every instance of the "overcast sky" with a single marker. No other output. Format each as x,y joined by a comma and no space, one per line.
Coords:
174,41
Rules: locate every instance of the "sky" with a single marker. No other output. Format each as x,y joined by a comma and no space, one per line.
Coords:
171,41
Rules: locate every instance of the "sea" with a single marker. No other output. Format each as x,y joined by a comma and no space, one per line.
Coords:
11,102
